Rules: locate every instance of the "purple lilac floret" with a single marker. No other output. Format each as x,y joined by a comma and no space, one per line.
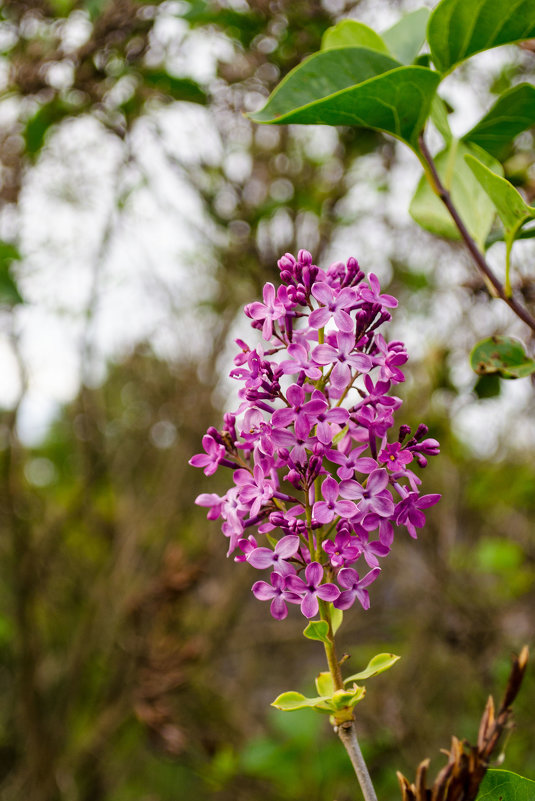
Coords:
319,482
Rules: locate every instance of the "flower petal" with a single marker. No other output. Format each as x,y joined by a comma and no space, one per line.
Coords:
314,573
310,606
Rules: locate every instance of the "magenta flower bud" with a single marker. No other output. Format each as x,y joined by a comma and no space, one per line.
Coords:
314,467
307,277
404,431
287,262
429,446
421,431
294,478
304,258
287,278
292,294
215,434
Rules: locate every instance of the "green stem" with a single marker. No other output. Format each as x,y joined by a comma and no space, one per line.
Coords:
308,513
507,286
330,648
346,730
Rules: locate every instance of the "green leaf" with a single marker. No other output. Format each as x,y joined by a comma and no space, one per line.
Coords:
513,112
510,205
406,37
322,75
488,386
336,618
324,684
9,291
502,785
94,8
502,355
343,699
378,664
472,202
439,117
184,89
241,25
354,86
351,33
459,28
37,126
293,700
317,630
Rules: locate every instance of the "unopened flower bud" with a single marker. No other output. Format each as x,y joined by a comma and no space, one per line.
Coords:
287,262
304,258
213,432
287,277
404,431
421,431
429,446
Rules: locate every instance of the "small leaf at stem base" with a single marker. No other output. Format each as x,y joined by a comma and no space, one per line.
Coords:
317,630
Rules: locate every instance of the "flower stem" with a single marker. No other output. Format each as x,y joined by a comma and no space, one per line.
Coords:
348,736
346,730
330,648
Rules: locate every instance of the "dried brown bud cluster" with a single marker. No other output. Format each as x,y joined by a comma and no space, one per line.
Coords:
467,764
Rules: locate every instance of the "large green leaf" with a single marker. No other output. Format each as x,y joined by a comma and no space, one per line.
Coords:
459,28
322,75
351,33
354,86
406,37
513,112
502,785
472,202
502,355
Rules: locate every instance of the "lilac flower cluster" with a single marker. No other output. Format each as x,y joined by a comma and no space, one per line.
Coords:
314,473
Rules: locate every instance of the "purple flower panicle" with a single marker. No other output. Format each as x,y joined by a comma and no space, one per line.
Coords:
319,482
